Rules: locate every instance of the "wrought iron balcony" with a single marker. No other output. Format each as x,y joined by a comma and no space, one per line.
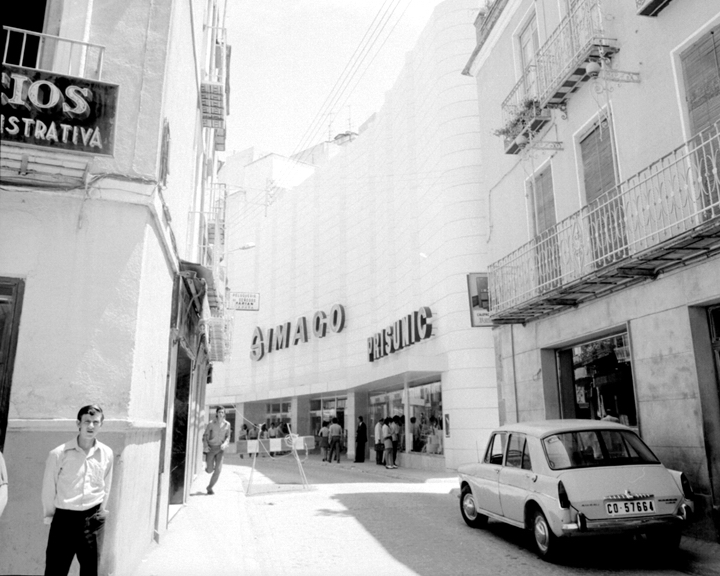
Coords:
522,115
579,39
665,216
206,242
213,89
219,330
650,7
52,54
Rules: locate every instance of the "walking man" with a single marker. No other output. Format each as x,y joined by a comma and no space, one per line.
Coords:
215,439
379,444
75,492
336,433
360,440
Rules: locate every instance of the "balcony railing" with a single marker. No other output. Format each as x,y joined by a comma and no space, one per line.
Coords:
214,93
662,217
650,7
521,112
579,38
52,53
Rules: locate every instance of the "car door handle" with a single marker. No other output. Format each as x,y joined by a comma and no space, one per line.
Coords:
497,470
532,477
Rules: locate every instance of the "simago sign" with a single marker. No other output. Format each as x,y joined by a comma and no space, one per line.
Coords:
280,337
57,111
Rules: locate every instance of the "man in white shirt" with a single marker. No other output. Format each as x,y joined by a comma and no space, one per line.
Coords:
379,445
336,434
215,440
75,492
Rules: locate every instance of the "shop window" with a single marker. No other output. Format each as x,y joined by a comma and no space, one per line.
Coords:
425,406
596,380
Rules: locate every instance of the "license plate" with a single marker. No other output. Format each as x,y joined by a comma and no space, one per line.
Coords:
623,508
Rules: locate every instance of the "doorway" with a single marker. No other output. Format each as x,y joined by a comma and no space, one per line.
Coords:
11,297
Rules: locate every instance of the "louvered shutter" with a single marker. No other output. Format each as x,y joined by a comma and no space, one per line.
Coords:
544,202
598,162
701,70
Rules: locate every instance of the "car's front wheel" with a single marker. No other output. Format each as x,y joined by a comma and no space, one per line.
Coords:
546,542
469,511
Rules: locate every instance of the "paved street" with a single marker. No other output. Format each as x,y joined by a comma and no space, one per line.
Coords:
364,519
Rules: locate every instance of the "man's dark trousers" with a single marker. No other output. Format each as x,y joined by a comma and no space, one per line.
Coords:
74,532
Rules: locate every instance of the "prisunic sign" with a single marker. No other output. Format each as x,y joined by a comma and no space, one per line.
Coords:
405,332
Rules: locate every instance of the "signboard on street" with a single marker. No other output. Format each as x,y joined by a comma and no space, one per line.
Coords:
56,111
243,301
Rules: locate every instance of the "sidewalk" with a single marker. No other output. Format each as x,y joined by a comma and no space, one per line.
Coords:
210,534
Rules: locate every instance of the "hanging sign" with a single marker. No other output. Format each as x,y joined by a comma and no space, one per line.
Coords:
243,301
57,111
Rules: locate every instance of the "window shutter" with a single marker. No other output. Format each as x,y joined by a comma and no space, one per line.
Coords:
543,202
701,70
598,162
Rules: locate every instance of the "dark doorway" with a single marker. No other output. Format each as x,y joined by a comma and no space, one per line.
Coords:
11,295
178,460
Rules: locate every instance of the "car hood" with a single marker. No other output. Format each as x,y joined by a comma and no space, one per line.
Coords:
589,488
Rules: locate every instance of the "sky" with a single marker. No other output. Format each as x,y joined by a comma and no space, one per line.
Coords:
288,55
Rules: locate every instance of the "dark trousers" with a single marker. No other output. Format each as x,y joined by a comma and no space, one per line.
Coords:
395,445
74,533
379,449
334,448
360,451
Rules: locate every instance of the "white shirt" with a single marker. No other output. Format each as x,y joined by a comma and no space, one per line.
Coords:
378,432
74,480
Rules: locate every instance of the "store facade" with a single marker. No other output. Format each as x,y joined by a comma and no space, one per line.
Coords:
363,272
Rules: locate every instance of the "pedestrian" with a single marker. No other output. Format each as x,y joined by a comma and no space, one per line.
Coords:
242,440
272,434
324,435
415,428
387,441
379,444
75,492
336,434
360,440
395,435
3,485
253,432
215,440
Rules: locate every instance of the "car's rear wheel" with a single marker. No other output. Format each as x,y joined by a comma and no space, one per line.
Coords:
469,511
545,541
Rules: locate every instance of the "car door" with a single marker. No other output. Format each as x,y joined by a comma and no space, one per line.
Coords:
516,479
486,480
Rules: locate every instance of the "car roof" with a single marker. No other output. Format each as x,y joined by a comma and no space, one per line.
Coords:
541,428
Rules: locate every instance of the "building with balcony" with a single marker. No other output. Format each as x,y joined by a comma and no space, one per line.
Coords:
111,234
600,156
370,273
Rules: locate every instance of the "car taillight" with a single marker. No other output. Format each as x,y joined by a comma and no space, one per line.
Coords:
686,487
562,496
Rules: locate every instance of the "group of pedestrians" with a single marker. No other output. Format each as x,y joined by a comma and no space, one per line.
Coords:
332,436
387,441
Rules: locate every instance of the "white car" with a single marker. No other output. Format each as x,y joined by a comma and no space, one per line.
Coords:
566,478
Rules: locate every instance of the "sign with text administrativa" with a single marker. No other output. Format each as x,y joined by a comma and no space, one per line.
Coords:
57,111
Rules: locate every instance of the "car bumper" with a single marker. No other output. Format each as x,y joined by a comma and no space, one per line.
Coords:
584,525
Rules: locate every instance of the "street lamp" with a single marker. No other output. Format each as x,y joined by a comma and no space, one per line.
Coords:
247,246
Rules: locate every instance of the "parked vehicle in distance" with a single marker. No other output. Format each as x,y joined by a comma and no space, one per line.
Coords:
566,478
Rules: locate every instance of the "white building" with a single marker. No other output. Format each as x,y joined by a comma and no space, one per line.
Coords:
604,208
384,235
111,117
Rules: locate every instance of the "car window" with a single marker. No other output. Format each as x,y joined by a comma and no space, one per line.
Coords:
526,463
515,451
496,449
587,448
